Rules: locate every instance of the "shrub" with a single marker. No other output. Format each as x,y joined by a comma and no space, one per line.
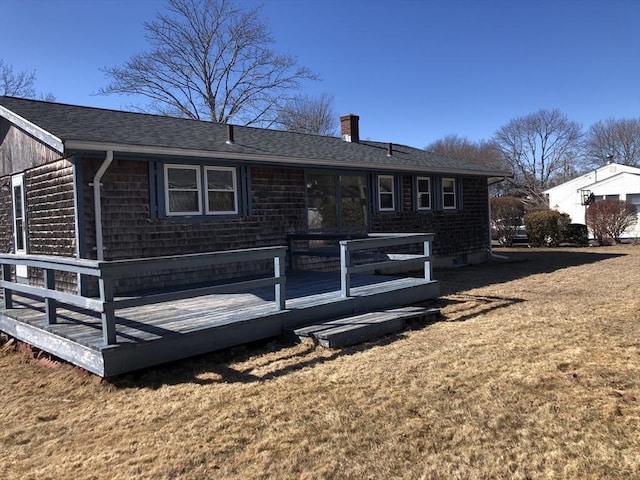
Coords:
506,217
608,219
577,234
546,227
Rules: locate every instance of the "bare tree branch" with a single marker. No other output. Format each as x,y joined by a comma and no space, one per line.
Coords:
304,114
210,59
541,148
613,140
16,84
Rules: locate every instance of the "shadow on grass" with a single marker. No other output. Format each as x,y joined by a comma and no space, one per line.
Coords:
520,263
281,357
462,306
225,366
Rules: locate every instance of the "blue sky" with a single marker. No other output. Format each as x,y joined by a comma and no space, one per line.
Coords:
414,70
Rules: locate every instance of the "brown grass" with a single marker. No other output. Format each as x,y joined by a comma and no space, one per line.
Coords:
532,373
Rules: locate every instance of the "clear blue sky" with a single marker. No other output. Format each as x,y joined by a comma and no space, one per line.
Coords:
414,70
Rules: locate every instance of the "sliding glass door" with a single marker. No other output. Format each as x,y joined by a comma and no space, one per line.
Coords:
337,202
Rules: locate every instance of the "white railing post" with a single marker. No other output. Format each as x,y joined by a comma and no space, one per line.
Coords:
427,262
278,270
345,264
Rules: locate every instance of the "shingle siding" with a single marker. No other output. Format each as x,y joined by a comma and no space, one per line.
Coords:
6,216
278,208
19,151
129,231
457,233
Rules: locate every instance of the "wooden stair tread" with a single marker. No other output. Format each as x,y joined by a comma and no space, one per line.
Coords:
359,328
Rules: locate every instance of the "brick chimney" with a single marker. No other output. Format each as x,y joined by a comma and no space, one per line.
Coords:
349,128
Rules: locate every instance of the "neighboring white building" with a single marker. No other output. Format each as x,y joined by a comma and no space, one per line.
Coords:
611,181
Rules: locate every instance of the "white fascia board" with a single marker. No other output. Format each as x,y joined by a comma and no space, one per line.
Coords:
310,162
32,129
610,179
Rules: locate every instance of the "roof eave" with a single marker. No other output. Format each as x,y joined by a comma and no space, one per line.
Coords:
79,145
32,129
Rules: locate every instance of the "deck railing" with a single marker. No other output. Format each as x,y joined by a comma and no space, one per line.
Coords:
350,246
108,272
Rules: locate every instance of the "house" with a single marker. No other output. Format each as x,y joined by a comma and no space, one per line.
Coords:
611,181
129,240
103,184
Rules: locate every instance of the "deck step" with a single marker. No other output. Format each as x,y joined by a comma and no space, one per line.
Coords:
351,330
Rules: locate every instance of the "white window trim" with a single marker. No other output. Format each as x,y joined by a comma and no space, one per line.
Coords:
419,192
18,181
235,191
393,194
454,193
197,169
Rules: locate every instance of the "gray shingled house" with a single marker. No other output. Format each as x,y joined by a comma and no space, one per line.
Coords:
91,196
114,185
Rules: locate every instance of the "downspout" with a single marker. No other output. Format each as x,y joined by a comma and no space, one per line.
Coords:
98,204
490,249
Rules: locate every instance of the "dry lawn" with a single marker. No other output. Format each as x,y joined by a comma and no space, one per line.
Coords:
533,372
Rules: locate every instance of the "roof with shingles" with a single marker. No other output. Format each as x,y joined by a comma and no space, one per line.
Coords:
102,129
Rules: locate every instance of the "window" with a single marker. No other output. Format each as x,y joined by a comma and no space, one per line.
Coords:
386,193
449,193
184,187
599,198
19,216
423,188
182,190
221,190
635,199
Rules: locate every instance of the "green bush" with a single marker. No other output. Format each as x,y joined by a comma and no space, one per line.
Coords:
577,234
546,227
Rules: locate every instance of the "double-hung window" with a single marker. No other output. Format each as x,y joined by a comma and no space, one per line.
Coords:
183,194
386,193
194,189
423,189
222,190
19,214
449,200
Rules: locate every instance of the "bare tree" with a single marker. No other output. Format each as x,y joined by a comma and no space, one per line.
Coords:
20,84
616,140
541,149
304,114
210,60
16,84
454,146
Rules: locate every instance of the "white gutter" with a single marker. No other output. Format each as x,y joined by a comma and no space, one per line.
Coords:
97,203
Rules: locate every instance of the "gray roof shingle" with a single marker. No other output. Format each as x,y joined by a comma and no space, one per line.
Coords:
139,131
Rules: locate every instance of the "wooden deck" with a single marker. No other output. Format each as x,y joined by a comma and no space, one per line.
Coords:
154,334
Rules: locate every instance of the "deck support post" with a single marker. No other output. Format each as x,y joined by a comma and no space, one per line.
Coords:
427,262
345,263
107,314
279,274
7,294
50,303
